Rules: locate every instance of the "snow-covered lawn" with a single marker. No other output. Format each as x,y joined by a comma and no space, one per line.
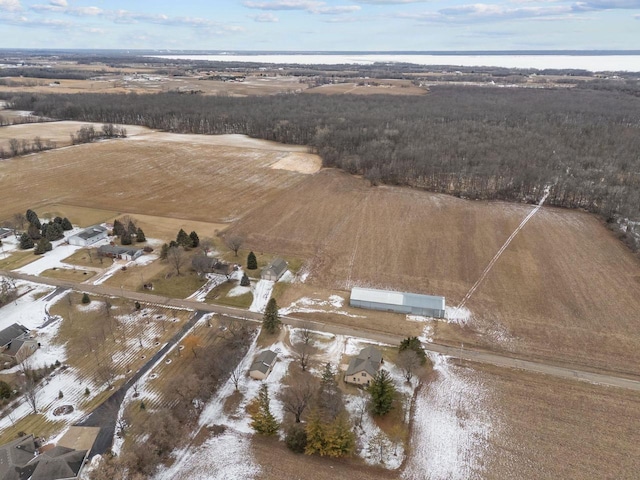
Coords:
334,304
451,426
213,280
261,295
49,260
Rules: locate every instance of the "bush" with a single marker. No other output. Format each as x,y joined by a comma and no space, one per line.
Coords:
85,298
5,390
296,438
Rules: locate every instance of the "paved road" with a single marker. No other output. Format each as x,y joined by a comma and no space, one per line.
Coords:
612,379
106,415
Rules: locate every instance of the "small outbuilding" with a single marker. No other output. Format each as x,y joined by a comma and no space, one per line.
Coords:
263,364
88,236
274,270
400,302
123,253
363,368
5,232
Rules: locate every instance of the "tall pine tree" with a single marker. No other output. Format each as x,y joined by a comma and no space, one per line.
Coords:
271,320
252,261
26,241
140,236
382,393
262,420
183,239
195,240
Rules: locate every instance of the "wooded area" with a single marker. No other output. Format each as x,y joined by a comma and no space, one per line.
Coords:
477,143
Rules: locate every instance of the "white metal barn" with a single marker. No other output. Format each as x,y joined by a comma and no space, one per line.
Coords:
400,302
88,236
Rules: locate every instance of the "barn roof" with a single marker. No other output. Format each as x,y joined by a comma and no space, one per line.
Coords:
91,232
397,298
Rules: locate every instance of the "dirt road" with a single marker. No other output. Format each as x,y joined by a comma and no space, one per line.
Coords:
473,355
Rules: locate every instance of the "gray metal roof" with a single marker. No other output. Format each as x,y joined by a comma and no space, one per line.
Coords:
264,361
58,463
91,232
397,298
11,333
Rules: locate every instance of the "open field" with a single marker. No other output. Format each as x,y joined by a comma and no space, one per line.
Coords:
564,277
158,174
58,132
548,429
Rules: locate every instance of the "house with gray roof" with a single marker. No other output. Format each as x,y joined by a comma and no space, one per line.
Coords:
16,344
274,270
5,232
262,365
400,302
15,456
122,253
88,236
363,368
59,463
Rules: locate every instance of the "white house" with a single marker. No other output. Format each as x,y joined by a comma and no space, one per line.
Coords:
88,236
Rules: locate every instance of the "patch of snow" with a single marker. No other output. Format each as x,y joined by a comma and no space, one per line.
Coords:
458,315
52,259
451,426
238,290
287,277
261,295
26,310
311,305
213,281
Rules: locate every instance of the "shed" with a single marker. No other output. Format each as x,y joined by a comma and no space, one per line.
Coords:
262,365
363,368
88,236
274,270
5,232
400,302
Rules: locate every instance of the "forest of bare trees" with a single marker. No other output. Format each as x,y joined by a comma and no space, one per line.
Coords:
477,143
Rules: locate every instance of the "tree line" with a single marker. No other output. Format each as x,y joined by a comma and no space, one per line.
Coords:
476,143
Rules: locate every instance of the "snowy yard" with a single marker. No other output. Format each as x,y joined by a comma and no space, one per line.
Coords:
261,295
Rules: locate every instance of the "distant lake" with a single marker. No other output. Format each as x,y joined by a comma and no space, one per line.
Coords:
594,63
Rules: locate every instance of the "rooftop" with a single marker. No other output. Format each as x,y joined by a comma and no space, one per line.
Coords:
91,232
11,333
397,298
264,361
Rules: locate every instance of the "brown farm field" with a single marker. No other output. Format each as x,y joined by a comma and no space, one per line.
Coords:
58,132
563,290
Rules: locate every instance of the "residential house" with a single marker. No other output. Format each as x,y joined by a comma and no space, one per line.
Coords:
16,344
88,236
203,264
121,253
363,368
274,270
5,232
15,457
262,365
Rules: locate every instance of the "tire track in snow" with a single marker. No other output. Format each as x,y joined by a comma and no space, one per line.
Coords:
499,253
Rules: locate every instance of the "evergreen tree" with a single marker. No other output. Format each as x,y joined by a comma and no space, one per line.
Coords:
34,232
271,320
140,236
244,281
382,393
164,251
413,343
182,239
296,438
252,262
195,240
85,298
26,242
340,439
42,246
5,389
33,219
53,231
131,228
263,421
58,220
118,228
315,434
66,224
125,238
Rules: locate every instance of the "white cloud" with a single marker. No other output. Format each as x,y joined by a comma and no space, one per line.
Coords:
310,6
389,2
58,3
265,18
10,6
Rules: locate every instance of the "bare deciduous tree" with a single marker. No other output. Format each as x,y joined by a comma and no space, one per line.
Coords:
410,363
29,385
206,245
234,242
296,397
177,258
303,352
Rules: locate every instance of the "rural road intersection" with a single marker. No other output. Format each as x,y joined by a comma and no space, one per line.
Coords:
610,379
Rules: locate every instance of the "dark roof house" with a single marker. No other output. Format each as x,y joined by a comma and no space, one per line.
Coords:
262,365
274,270
12,332
15,456
58,463
113,251
364,367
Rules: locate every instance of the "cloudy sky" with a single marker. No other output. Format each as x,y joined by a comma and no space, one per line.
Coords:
327,25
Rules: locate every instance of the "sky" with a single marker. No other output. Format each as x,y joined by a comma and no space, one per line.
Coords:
321,25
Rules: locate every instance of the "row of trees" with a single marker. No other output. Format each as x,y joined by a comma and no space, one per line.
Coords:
88,133
484,143
23,147
126,229
37,234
